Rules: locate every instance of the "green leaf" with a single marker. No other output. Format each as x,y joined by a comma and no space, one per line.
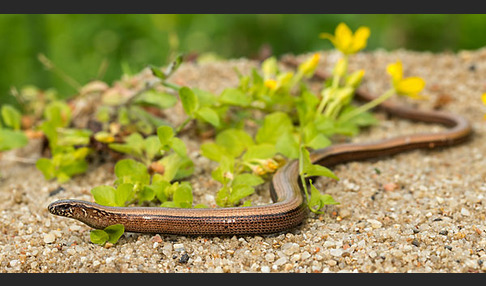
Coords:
315,203
222,196
165,134
288,145
205,98
131,171
183,196
189,100
58,113
328,200
114,232
11,139
157,99
309,170
234,141
169,204
247,179
260,151
46,167
318,170
136,141
318,200
362,119
239,192
157,72
124,148
159,187
235,96
208,114
104,195
213,151
152,147
134,145
146,194
123,194
318,142
176,167
179,146
72,137
77,166
274,125
226,165
304,160
98,236
11,116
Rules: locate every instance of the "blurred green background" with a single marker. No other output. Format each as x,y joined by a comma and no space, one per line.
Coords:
86,47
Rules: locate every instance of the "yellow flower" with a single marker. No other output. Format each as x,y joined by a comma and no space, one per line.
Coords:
271,84
410,86
309,66
344,40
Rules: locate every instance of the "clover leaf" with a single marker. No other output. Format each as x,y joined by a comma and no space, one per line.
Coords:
109,234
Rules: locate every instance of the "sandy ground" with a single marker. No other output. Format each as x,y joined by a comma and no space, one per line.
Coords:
421,211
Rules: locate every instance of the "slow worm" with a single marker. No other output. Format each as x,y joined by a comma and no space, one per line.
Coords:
288,209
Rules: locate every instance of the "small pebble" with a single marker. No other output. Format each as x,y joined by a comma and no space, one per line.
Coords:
265,269
390,187
280,261
416,242
179,247
184,258
49,237
336,252
270,257
374,223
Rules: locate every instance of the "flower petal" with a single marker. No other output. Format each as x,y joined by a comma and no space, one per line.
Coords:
483,98
396,71
329,37
410,86
360,37
344,37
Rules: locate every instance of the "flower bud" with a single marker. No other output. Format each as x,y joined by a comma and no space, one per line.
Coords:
269,67
340,68
309,66
354,79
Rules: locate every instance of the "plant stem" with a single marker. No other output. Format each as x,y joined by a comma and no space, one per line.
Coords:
304,185
365,107
48,64
171,85
180,127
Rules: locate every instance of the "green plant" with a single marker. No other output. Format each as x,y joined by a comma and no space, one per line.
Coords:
109,234
69,146
11,135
